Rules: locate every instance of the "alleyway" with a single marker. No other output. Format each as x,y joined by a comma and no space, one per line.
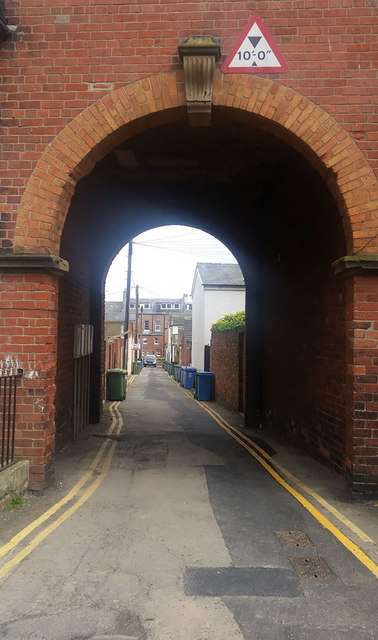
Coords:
171,532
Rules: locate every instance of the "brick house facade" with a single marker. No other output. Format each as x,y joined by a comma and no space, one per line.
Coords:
155,317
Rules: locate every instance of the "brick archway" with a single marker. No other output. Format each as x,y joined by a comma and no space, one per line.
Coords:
91,136
126,111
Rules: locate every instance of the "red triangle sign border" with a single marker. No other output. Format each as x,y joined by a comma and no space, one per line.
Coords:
255,18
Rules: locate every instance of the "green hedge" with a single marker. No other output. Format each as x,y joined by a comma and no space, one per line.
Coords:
230,321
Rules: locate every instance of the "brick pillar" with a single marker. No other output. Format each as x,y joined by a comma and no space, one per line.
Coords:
28,339
362,373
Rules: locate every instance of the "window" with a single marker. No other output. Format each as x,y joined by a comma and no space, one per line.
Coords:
132,305
157,325
146,305
144,340
188,307
166,305
156,341
176,305
146,325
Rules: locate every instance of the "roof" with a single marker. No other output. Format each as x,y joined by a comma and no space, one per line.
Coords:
176,319
114,312
220,274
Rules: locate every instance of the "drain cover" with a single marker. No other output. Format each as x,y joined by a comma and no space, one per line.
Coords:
290,539
313,568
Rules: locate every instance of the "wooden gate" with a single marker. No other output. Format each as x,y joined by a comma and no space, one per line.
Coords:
82,349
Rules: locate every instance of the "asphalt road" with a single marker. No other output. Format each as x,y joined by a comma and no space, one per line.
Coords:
172,534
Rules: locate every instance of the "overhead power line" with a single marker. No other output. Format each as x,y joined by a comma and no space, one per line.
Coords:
191,250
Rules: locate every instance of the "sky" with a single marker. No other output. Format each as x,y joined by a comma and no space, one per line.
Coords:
163,262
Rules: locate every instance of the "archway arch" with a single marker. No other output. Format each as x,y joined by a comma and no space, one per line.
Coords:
159,99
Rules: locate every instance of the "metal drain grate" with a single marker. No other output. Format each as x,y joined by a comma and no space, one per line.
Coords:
291,539
313,568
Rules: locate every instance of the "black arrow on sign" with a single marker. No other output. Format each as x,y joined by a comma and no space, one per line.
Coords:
254,40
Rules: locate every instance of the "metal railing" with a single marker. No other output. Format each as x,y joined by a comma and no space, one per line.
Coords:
8,396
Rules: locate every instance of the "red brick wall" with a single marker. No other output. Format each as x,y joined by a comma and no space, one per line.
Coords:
28,323
148,341
114,354
186,350
362,405
226,364
150,347
303,317
304,375
74,308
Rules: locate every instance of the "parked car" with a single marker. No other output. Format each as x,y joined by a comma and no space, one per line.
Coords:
150,361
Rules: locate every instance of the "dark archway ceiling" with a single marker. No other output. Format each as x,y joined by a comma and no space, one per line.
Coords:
226,153
221,179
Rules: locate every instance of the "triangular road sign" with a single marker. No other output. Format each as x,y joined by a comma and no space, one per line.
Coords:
255,52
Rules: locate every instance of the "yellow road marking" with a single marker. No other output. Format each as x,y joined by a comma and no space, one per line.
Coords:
348,523
116,420
69,496
130,380
54,525
351,546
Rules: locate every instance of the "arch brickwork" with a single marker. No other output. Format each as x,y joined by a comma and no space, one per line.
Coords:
126,111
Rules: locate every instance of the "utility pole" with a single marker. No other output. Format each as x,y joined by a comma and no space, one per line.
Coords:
127,306
136,318
141,331
164,347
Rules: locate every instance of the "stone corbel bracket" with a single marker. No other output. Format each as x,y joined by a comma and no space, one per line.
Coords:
33,263
357,265
199,55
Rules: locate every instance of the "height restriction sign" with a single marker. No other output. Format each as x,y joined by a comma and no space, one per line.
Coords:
255,52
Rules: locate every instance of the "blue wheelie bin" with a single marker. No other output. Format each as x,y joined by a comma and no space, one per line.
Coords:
204,384
188,377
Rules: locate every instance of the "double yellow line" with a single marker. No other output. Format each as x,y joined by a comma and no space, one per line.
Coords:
277,471
103,459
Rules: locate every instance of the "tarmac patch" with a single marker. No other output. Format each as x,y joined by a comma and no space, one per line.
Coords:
241,581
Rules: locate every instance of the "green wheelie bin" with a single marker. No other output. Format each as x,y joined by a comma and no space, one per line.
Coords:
136,367
116,384
176,370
